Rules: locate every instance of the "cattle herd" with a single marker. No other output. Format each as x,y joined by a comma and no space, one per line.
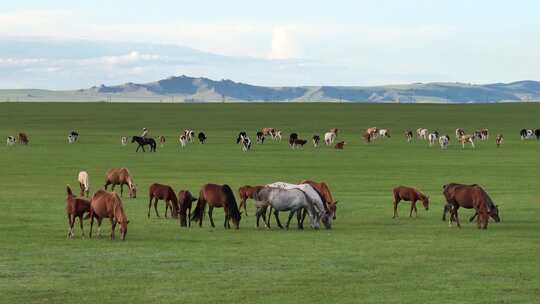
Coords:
310,198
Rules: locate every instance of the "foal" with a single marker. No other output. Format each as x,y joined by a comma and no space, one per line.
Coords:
75,208
411,195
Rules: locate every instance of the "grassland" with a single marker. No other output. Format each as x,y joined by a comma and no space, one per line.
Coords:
366,258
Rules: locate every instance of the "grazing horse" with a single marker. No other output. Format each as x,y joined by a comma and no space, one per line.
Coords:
240,136
108,205
340,145
409,135
121,176
459,132
23,139
329,138
84,183
185,202
260,137
161,141
11,140
499,140
144,141
246,192
467,139
324,192
158,192
469,197
183,140
217,196
409,194
75,208
316,139
443,141
202,137
292,138
123,140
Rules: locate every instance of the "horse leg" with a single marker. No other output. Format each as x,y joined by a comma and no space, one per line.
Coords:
269,216
70,231
81,223
113,226
210,209
291,214
226,223
99,220
415,210
396,202
304,213
276,214
189,218
121,190
456,216
412,208
149,205
472,217
155,206
445,210
91,223
167,208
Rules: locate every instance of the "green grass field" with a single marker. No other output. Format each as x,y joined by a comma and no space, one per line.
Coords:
366,257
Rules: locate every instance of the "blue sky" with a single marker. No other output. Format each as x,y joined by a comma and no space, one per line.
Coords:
273,42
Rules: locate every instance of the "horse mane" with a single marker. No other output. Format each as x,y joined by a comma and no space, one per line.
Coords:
231,202
117,203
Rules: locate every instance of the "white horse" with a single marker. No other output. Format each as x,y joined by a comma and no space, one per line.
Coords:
329,138
11,140
84,183
443,141
292,200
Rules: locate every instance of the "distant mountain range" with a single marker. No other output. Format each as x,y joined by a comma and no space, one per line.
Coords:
190,89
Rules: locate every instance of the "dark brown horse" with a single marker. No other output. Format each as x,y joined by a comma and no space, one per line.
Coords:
409,194
75,208
108,205
158,192
469,197
217,196
246,192
185,201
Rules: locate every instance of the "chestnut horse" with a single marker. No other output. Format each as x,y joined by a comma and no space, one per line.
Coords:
158,192
324,192
120,176
217,196
185,201
75,208
246,192
108,205
409,194
469,197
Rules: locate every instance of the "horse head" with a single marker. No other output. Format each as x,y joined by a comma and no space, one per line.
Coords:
123,228
494,213
425,201
132,191
332,207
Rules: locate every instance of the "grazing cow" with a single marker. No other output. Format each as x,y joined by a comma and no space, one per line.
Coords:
292,138
121,176
526,133
485,133
340,145
537,134
298,142
478,134
73,136
161,141
75,208
329,138
11,140
432,138
384,133
499,140
409,136
246,143
183,140
84,183
459,132
422,133
316,139
260,137
443,141
185,202
202,137
158,192
240,135
23,139
189,134
124,140
467,139
108,205
411,195
269,132
277,135
373,131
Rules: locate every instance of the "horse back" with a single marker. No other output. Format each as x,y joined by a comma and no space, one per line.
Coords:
406,193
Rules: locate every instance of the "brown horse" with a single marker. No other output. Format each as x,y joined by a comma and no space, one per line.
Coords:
158,192
121,176
23,139
75,208
217,196
246,192
108,205
324,192
185,201
409,194
469,197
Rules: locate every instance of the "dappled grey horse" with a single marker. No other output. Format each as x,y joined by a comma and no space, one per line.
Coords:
291,200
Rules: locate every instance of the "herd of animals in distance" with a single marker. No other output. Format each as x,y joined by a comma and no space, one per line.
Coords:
308,197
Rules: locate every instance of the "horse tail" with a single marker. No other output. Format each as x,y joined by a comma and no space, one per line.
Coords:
68,189
231,202
198,212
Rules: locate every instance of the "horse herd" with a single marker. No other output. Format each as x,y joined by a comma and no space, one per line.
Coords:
307,198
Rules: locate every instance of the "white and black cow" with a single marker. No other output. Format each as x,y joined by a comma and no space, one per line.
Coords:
443,141
432,138
11,140
246,143
73,136
526,133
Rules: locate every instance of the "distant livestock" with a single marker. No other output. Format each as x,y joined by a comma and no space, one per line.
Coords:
340,145
123,140
329,138
299,142
443,141
499,140
23,139
202,137
409,136
11,140
292,138
183,140
84,183
422,133
162,141
73,136
316,139
144,141
260,137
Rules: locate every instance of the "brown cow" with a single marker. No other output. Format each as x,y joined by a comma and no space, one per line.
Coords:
269,132
108,205
246,192
340,145
121,176
158,192
23,138
185,201
75,208
411,195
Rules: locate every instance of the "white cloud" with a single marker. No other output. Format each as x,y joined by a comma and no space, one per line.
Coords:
130,58
284,43
20,62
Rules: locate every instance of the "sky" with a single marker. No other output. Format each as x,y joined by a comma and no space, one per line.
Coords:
276,43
